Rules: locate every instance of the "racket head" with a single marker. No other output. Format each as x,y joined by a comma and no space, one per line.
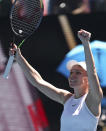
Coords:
26,16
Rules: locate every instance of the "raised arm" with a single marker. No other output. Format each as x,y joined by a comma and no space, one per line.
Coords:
56,94
95,92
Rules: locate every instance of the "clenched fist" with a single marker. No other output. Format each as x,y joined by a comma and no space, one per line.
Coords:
15,51
84,36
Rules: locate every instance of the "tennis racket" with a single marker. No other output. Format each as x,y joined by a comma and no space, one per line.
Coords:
25,18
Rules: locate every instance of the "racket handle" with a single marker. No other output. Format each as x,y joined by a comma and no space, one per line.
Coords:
8,67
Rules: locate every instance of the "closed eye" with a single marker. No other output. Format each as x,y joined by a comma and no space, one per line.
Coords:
77,72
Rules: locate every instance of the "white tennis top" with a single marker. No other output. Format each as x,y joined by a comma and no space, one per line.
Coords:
77,117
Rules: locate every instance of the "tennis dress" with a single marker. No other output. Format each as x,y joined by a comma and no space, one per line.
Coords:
77,117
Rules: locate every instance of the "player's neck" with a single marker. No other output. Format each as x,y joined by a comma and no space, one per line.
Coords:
79,93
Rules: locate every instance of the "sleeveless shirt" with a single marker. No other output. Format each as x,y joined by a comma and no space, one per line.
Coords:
77,117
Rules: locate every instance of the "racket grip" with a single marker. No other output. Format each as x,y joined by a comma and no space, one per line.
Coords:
8,67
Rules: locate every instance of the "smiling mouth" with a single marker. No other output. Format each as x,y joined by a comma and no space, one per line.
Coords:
72,80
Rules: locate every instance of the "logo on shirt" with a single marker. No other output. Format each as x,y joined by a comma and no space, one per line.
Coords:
74,105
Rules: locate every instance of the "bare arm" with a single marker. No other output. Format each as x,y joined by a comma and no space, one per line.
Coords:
95,92
56,94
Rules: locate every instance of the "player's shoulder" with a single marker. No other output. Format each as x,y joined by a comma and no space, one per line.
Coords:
68,96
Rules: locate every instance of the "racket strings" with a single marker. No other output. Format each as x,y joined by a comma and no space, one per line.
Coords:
17,25
26,16
27,24
28,10
27,5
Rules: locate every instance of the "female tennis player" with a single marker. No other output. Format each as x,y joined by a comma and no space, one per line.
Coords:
81,109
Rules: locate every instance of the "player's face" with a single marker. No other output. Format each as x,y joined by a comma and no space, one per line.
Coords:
78,77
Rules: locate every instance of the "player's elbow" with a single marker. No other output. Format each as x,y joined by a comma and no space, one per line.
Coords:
100,95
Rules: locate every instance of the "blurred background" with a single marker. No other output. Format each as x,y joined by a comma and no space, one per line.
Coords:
45,50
